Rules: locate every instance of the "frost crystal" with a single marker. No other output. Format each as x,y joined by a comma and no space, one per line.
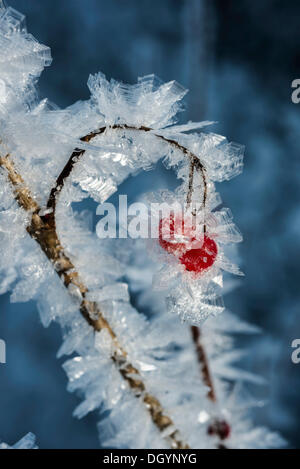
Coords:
127,366
27,442
150,102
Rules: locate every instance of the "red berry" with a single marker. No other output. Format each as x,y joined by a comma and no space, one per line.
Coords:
197,260
220,428
174,234
177,234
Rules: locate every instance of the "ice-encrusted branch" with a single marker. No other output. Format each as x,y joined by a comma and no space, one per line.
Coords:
43,231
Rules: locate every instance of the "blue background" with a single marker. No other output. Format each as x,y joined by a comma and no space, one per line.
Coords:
238,58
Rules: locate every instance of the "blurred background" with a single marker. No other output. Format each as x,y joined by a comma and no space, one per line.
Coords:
238,59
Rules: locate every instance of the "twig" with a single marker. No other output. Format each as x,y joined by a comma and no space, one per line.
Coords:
218,427
202,359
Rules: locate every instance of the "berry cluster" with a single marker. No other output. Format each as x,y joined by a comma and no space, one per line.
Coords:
178,239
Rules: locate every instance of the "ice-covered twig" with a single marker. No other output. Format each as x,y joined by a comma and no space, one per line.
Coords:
218,427
203,361
42,229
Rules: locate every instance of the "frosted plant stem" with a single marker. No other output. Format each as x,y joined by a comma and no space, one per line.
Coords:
43,231
203,361
218,427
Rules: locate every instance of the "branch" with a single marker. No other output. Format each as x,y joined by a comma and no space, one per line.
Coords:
43,230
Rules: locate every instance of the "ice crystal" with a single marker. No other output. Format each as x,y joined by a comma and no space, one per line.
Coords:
27,442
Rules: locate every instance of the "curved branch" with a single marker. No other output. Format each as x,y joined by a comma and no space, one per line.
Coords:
77,154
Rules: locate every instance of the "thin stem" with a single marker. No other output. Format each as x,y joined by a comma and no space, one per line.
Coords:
196,164
202,358
218,427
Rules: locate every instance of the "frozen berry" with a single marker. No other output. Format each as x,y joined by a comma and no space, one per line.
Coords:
197,260
219,428
175,234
